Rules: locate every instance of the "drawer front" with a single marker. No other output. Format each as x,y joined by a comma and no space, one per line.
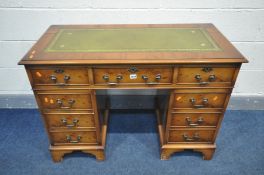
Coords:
191,136
60,76
206,76
143,76
68,120
65,101
199,100
80,137
194,119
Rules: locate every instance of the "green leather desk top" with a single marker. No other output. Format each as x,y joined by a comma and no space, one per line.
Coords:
132,44
132,40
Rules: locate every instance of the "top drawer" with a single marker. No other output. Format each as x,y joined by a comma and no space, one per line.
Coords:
59,76
206,76
152,75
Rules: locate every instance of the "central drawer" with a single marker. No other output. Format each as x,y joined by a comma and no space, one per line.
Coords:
133,75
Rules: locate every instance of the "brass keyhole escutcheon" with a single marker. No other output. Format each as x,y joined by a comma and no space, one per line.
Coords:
207,69
133,69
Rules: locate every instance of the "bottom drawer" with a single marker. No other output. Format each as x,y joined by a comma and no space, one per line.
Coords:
74,137
191,136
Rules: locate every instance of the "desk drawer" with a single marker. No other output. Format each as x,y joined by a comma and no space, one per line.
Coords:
191,136
194,119
59,76
206,76
133,75
76,137
69,120
65,100
198,99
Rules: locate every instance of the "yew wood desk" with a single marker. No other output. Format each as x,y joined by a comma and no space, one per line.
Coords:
194,62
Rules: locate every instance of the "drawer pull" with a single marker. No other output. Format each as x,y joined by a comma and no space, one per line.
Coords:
197,123
118,78
212,78
196,137
65,122
146,78
193,101
61,105
67,78
54,79
158,77
199,79
106,77
69,139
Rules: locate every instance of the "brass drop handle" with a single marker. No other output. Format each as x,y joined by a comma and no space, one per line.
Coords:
65,122
204,101
212,78
195,137
118,78
197,123
53,78
146,78
69,139
71,102
199,79
158,77
106,77
60,103
67,78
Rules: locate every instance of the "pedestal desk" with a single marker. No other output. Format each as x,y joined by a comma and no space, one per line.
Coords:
194,62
